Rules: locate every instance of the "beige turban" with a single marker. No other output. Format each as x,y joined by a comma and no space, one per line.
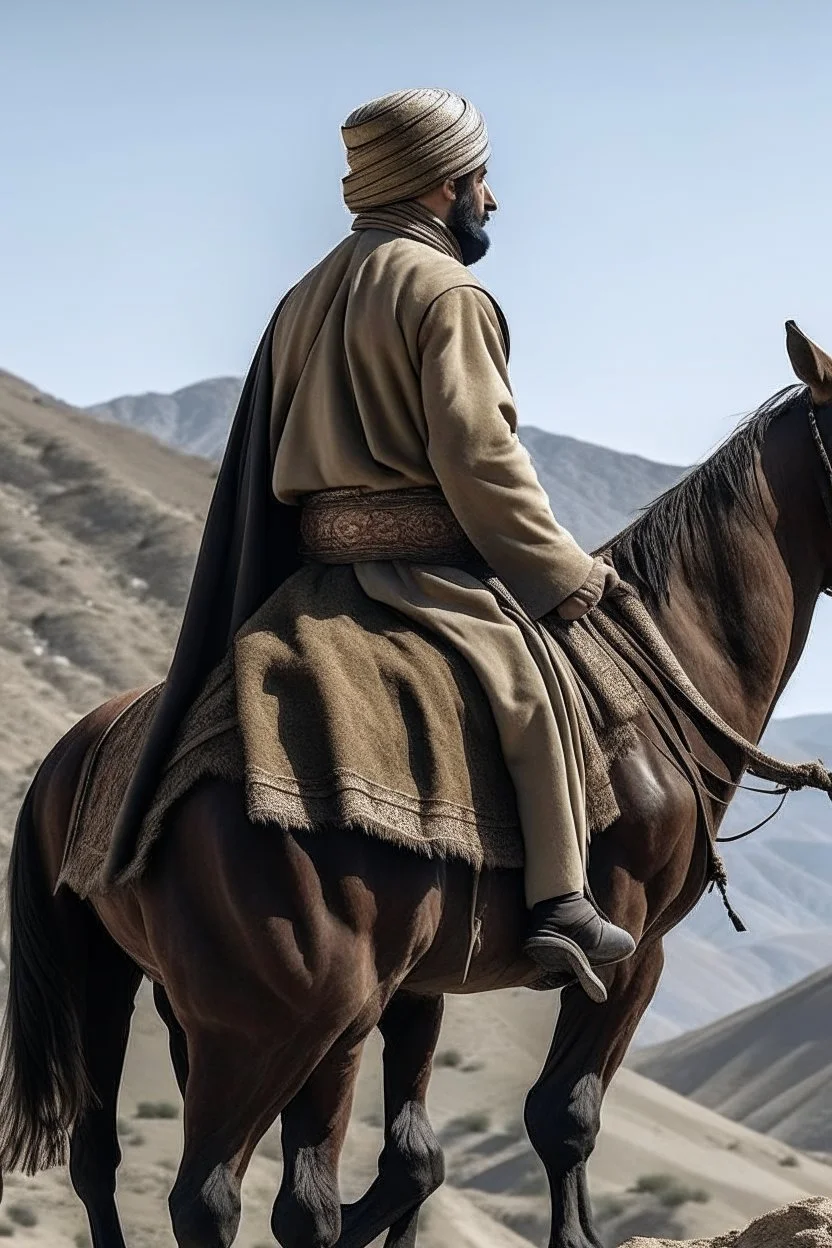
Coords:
404,144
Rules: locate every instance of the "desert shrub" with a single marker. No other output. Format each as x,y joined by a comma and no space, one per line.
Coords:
22,1215
157,1109
136,1139
270,1148
448,1057
609,1207
788,1160
516,1129
6,1229
478,1120
472,1066
82,1240
670,1191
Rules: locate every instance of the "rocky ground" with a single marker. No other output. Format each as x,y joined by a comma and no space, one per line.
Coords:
804,1225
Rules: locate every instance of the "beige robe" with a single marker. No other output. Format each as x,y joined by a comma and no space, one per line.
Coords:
390,368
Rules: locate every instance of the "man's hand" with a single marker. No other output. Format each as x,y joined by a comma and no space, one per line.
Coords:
602,579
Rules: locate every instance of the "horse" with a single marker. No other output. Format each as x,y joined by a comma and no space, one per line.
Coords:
278,952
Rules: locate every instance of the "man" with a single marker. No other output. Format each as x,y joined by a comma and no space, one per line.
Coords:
401,382
387,371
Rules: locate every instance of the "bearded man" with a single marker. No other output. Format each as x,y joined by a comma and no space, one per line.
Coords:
386,370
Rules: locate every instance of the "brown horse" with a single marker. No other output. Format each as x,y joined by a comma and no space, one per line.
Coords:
279,952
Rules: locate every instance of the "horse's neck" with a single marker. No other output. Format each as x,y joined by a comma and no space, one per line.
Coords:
739,628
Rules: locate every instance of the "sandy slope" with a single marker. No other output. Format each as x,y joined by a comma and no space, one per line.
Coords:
496,1194
768,1066
646,1129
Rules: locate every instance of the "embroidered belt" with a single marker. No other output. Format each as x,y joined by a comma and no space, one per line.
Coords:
352,525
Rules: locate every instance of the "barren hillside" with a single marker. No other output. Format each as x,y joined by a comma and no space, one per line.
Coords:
98,530
768,1066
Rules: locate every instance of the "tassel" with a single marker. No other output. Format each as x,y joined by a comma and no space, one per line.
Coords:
719,877
739,926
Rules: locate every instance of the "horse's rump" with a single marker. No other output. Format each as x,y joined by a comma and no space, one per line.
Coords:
334,712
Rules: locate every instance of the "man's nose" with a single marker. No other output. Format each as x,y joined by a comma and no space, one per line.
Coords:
490,202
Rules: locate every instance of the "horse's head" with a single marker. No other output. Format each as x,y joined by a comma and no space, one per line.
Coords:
813,366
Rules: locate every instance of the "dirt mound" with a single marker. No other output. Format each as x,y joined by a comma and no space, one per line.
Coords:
807,1224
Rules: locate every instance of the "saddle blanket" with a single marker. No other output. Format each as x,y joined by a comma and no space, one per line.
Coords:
337,714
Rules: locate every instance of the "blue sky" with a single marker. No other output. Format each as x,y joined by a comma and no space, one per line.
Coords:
662,169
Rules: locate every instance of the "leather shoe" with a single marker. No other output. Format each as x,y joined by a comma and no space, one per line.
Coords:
568,934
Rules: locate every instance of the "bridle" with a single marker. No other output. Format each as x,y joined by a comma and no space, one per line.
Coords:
826,475
686,761
826,496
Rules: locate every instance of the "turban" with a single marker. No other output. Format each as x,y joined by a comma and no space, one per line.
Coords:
406,143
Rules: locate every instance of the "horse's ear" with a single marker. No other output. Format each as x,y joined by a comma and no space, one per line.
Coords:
810,363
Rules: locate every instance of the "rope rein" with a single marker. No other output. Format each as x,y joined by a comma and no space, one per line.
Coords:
791,776
633,641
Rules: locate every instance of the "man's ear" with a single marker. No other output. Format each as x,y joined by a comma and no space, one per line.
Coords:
811,364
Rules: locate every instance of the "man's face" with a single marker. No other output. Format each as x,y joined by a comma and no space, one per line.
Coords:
470,213
484,201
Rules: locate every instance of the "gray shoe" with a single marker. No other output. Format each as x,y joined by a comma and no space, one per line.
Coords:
567,934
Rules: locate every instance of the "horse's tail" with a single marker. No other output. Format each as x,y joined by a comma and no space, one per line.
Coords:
43,1084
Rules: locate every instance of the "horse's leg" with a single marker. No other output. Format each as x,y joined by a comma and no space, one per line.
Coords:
307,1210
563,1108
411,1164
237,1084
111,982
227,1081
299,951
177,1040
307,1207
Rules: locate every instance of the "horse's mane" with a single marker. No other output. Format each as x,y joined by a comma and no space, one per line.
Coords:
693,518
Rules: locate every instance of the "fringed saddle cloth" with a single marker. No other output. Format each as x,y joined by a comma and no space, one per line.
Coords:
332,712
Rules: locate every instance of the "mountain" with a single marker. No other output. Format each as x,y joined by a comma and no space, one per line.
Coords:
194,419
768,1066
596,491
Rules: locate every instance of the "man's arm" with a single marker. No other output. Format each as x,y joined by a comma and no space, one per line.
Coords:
484,470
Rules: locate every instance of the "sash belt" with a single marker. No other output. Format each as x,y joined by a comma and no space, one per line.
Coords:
351,525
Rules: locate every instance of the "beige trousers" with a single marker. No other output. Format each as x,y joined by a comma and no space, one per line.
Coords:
533,700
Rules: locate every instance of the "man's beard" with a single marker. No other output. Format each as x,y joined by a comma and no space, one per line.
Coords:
466,225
